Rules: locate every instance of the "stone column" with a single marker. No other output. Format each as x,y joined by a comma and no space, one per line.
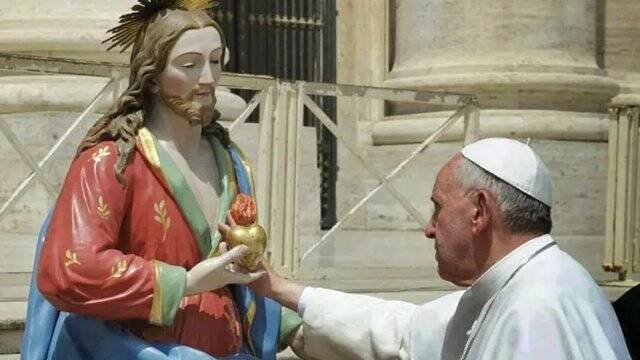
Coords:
514,54
620,50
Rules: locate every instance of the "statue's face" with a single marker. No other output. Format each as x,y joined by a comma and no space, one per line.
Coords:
187,83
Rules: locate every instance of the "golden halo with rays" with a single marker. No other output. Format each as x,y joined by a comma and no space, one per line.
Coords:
132,24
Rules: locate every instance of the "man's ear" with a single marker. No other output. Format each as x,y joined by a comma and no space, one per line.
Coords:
484,204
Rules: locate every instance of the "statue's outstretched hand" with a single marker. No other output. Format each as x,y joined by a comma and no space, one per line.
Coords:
218,271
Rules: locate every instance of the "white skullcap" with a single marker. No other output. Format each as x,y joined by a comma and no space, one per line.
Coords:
513,162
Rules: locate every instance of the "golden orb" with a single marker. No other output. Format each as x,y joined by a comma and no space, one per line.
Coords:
254,237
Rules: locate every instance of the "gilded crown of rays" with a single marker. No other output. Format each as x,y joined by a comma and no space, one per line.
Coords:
196,4
132,24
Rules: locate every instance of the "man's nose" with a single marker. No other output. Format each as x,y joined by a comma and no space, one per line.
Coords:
429,230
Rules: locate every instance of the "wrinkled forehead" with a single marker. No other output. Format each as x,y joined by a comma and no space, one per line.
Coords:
202,41
447,179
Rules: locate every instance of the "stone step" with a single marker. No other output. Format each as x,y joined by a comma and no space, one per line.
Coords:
12,319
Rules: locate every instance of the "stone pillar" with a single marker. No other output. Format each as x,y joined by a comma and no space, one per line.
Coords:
514,54
620,49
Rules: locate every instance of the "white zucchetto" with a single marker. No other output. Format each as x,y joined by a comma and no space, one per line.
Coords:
513,162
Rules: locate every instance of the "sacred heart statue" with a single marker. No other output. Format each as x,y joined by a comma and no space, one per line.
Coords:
254,237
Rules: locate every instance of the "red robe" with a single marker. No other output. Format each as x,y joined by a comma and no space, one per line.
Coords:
109,245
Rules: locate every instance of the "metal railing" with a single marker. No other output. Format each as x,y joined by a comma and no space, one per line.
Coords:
37,168
281,107
622,230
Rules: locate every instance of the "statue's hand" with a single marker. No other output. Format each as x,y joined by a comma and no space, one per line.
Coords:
218,271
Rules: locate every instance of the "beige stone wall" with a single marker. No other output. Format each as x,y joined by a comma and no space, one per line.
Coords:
618,46
619,33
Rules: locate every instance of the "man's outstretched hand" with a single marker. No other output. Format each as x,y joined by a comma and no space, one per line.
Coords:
276,287
271,284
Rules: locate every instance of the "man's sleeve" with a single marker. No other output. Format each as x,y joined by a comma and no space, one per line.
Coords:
349,326
82,271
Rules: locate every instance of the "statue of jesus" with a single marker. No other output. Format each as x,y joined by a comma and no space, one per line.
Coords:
128,264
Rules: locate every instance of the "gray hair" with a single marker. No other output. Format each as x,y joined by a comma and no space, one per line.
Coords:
520,212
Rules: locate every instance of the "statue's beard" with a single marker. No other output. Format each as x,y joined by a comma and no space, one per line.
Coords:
195,113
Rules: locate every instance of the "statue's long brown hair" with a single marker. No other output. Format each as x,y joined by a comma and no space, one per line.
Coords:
148,59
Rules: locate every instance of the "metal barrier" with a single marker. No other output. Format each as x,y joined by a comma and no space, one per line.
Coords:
281,107
622,240
37,168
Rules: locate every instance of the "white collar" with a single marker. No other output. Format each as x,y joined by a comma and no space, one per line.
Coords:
489,283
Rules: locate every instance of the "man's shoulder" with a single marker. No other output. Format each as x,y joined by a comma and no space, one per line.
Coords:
443,306
553,278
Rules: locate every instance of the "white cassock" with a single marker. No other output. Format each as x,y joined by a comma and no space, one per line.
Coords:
535,303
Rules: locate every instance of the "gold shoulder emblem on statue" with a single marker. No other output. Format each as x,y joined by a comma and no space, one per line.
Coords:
103,208
119,269
72,258
100,154
162,217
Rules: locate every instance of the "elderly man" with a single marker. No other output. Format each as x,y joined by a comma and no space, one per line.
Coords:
524,299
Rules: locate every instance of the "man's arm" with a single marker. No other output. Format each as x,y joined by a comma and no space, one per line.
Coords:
339,325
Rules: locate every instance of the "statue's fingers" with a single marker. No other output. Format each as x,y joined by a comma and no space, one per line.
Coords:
240,269
223,228
230,220
238,278
222,247
234,254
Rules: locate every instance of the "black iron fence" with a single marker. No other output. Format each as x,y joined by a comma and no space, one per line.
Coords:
294,40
